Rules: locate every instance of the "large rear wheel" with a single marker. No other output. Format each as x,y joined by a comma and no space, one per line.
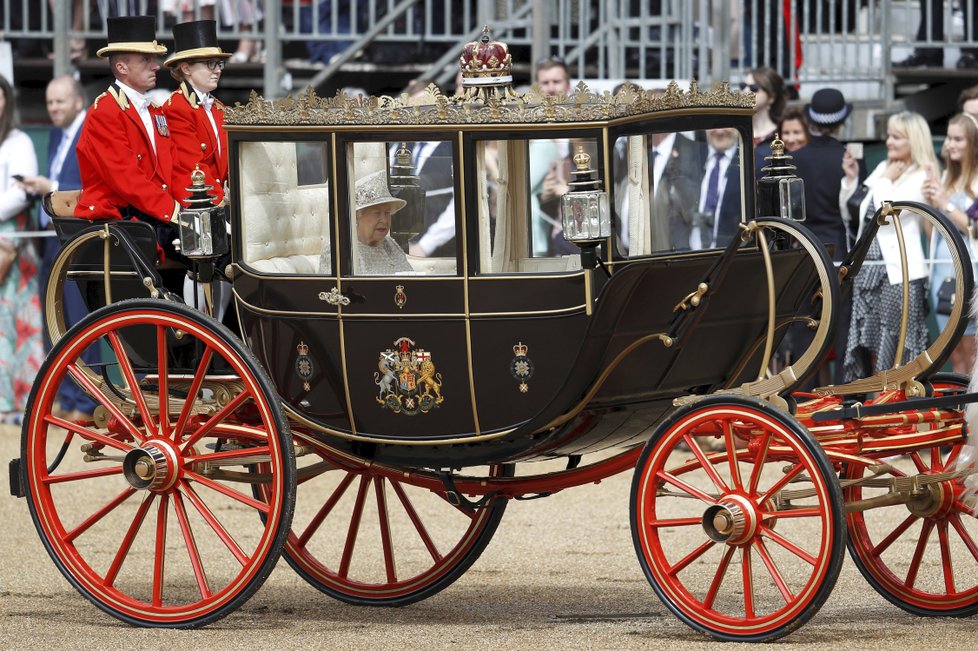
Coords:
371,539
928,563
147,508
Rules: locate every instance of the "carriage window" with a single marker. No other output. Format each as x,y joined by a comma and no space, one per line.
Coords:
520,183
402,202
285,206
677,191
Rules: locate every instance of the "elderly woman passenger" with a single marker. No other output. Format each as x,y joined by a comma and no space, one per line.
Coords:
377,252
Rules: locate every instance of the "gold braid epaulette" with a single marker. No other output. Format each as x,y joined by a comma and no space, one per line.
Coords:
95,103
120,97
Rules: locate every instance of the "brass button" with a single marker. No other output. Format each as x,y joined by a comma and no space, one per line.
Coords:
139,157
91,207
164,186
203,146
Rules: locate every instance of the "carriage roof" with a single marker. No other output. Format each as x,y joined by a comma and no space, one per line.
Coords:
533,108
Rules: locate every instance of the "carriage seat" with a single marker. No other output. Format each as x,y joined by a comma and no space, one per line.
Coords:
284,225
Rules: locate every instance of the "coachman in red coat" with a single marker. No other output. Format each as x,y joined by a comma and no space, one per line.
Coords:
195,117
125,151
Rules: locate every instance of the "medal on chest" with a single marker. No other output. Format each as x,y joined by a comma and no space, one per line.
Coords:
161,128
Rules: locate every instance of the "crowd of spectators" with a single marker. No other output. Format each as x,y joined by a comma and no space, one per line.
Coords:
692,203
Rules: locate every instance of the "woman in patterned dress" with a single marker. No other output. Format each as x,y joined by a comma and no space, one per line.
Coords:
21,348
877,298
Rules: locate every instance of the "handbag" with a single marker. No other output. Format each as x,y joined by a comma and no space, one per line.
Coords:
856,200
945,296
8,255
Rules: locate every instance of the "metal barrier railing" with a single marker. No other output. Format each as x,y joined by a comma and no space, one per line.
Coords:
808,41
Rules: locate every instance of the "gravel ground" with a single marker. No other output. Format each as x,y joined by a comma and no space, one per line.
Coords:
560,573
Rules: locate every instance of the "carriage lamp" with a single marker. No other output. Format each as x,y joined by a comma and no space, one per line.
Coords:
404,184
203,229
780,192
584,210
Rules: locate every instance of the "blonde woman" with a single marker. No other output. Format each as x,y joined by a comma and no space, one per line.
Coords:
877,299
953,194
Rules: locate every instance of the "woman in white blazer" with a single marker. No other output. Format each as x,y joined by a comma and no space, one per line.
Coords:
877,290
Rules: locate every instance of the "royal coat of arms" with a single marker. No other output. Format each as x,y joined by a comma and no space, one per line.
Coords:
406,379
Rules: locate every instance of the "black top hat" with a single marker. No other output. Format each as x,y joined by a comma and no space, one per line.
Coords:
132,34
828,107
196,39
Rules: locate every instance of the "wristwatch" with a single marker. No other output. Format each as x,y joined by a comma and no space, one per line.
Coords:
950,208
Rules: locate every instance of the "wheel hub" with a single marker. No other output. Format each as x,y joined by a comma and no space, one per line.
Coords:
151,467
732,520
930,501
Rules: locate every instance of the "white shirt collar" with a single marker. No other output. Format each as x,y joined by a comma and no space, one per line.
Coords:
75,125
204,99
139,100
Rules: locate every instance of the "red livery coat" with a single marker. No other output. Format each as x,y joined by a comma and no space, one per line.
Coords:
118,165
195,141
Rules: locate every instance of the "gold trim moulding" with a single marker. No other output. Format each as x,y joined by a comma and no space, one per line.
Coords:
438,110
292,414
551,275
403,316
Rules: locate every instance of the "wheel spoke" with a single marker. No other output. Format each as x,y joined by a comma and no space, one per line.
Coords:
214,523
130,376
83,474
416,521
772,569
233,494
683,486
211,422
918,553
918,462
188,405
88,434
126,544
891,538
748,574
787,544
690,557
755,475
814,512
160,551
784,481
946,558
964,534
711,594
96,393
188,538
697,451
674,522
163,379
731,442
321,514
385,531
351,535
101,513
952,456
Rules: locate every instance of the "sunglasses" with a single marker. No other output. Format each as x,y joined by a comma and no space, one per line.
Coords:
214,64
553,58
751,87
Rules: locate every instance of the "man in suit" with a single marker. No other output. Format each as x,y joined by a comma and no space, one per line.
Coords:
65,99
675,164
125,152
720,202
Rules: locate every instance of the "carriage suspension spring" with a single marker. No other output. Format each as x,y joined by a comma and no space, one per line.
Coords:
457,499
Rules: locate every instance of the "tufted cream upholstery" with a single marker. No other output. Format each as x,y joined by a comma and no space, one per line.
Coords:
284,226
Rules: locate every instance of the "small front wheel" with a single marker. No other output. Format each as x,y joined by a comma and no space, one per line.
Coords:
744,543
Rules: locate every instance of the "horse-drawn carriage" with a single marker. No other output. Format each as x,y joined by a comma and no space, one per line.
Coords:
368,427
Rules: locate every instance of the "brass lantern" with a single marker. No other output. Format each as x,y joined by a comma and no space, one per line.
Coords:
203,229
584,209
780,193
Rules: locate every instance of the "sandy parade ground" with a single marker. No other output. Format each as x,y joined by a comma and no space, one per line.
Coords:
560,573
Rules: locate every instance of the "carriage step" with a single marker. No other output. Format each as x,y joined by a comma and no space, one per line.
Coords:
17,488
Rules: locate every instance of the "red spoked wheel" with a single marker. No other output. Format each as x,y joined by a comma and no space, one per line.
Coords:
921,556
744,544
147,507
369,539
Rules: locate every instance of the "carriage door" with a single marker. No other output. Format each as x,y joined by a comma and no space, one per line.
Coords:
404,334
